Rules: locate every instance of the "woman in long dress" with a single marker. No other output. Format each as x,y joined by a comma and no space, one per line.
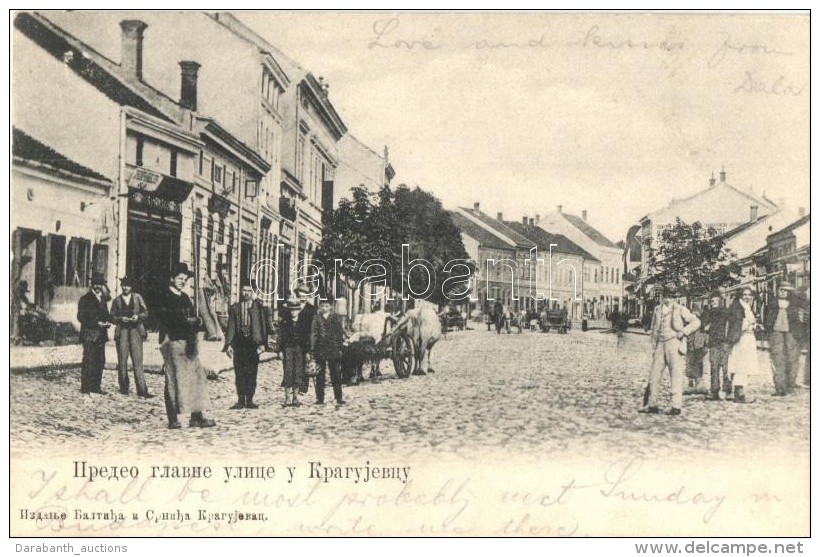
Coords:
743,360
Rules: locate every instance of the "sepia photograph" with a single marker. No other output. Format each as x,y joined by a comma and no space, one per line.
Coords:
410,274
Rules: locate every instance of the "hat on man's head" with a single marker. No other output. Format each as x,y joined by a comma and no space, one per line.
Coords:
98,280
669,289
293,303
715,294
327,299
181,268
785,285
126,281
302,289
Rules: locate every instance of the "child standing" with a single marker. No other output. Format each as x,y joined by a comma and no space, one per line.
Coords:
291,350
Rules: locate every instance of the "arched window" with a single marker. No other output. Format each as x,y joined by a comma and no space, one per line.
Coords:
220,237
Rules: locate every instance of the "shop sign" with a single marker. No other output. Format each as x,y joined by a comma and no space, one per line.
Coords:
144,179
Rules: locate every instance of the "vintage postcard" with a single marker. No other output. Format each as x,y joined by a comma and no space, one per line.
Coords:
526,273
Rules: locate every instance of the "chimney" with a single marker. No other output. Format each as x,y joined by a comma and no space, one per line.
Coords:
524,220
722,175
752,213
500,216
537,219
584,214
477,206
187,95
532,221
560,208
712,180
132,35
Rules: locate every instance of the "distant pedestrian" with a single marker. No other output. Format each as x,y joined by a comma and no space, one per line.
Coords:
743,360
326,341
716,325
672,323
784,327
185,379
94,318
498,316
619,325
129,313
290,346
245,340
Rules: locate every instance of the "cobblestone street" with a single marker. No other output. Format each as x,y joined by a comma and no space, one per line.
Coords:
530,394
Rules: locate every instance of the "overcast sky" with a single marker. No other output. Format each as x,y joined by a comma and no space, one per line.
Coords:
613,113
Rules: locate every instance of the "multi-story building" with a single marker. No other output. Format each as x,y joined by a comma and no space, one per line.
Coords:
311,131
183,187
240,86
490,282
360,166
561,278
720,206
512,280
603,275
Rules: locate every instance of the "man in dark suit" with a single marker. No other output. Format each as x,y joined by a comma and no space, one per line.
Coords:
245,339
326,340
94,318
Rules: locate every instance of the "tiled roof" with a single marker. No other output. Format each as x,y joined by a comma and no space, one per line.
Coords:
589,231
543,239
501,227
27,148
484,237
93,67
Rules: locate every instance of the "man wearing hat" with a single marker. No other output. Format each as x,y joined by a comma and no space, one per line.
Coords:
327,337
245,339
672,323
783,322
129,313
94,318
715,321
185,379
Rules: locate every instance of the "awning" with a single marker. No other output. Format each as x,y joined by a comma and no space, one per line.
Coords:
174,189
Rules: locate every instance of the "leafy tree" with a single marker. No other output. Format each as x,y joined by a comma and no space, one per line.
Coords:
375,226
431,235
694,258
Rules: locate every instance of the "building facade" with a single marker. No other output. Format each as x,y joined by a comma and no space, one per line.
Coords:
183,188
603,275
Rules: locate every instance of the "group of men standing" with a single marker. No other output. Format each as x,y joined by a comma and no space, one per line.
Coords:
308,338
128,313
732,334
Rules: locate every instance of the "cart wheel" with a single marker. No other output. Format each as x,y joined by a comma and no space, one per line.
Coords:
404,355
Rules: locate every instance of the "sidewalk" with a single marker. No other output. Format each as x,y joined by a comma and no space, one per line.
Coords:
31,358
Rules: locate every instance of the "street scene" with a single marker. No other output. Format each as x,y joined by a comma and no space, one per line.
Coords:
467,242
577,392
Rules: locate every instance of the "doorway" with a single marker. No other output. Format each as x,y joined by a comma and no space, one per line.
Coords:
153,247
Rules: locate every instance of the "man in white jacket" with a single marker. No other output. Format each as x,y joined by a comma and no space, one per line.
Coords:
672,323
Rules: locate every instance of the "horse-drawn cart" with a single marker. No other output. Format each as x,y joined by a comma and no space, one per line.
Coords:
555,319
